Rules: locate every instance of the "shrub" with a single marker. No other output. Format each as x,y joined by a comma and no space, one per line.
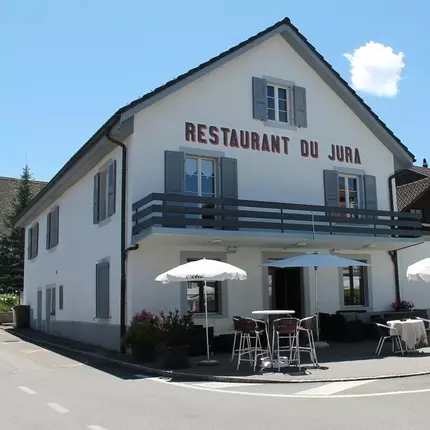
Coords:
8,301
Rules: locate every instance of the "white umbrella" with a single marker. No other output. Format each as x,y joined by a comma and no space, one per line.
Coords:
419,271
203,270
316,260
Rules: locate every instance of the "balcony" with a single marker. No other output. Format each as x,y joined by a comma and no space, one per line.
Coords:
203,215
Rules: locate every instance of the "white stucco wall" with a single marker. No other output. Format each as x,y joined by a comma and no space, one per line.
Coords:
417,292
72,263
223,98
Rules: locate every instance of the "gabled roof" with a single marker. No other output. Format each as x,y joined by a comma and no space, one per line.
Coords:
292,36
410,193
425,171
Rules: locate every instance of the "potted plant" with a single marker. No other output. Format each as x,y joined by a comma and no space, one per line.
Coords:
402,305
142,336
176,332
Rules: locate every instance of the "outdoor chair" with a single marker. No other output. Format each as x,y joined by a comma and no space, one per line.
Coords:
237,332
251,330
286,328
307,326
425,321
385,333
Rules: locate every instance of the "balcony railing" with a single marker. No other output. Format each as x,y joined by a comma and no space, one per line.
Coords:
179,211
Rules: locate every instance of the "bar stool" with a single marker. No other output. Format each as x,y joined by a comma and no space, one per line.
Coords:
286,328
250,330
307,326
237,332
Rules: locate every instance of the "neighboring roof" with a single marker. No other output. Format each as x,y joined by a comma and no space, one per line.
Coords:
293,37
8,189
409,193
425,171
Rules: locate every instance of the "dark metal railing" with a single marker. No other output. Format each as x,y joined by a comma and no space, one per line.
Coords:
179,211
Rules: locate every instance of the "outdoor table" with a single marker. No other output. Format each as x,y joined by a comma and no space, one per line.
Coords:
412,332
268,313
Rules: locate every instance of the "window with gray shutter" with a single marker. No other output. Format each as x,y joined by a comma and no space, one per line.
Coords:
300,109
35,240
174,179
48,230
60,297
53,301
229,185
259,98
96,199
29,243
111,188
102,290
331,188
371,198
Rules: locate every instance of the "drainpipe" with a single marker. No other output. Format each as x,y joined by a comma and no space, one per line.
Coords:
123,240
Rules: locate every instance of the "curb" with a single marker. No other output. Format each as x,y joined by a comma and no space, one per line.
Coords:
184,376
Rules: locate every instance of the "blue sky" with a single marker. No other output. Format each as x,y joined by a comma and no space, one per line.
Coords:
69,65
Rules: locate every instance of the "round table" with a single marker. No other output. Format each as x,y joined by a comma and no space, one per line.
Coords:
268,313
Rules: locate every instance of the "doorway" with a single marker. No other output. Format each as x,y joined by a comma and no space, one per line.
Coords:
287,289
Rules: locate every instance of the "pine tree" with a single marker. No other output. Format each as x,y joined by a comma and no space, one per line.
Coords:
12,242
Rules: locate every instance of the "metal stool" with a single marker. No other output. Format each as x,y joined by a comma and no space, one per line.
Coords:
237,332
286,328
307,326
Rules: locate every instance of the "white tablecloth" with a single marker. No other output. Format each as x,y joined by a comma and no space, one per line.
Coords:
412,332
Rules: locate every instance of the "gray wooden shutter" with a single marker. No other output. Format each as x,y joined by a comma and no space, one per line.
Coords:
55,219
229,185
102,290
111,188
259,98
174,179
96,199
30,243
48,230
35,240
331,190
300,110
371,198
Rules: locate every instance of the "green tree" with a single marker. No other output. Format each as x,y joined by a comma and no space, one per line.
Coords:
12,242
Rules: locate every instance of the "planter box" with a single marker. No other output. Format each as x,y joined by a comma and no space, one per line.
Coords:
6,317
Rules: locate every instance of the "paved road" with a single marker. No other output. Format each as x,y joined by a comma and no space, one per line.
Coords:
44,389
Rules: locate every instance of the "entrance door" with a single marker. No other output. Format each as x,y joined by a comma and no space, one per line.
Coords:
39,310
288,289
48,310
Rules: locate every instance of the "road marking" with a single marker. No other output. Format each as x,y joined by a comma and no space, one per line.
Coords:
215,384
93,427
152,378
294,396
71,365
27,390
32,351
58,408
332,388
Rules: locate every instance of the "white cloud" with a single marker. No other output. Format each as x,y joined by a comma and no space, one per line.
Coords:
376,69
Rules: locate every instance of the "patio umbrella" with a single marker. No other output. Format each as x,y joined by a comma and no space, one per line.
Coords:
203,270
419,271
315,260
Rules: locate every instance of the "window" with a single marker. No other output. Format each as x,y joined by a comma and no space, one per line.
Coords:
33,241
102,290
52,228
277,103
104,192
196,296
60,297
200,180
349,193
354,285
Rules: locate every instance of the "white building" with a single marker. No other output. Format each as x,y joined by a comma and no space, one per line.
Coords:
267,126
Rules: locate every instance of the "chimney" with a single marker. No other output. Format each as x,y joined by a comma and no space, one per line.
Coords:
425,163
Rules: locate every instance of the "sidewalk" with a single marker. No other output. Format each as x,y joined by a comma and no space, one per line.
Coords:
340,362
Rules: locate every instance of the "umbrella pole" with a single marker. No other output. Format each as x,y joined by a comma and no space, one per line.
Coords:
316,304
206,323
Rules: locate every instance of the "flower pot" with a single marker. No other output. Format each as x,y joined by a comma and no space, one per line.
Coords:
143,354
176,357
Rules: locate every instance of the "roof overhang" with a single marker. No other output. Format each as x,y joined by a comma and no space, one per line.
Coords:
272,240
97,147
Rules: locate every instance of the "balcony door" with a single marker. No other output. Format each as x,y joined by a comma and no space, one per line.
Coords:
200,180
